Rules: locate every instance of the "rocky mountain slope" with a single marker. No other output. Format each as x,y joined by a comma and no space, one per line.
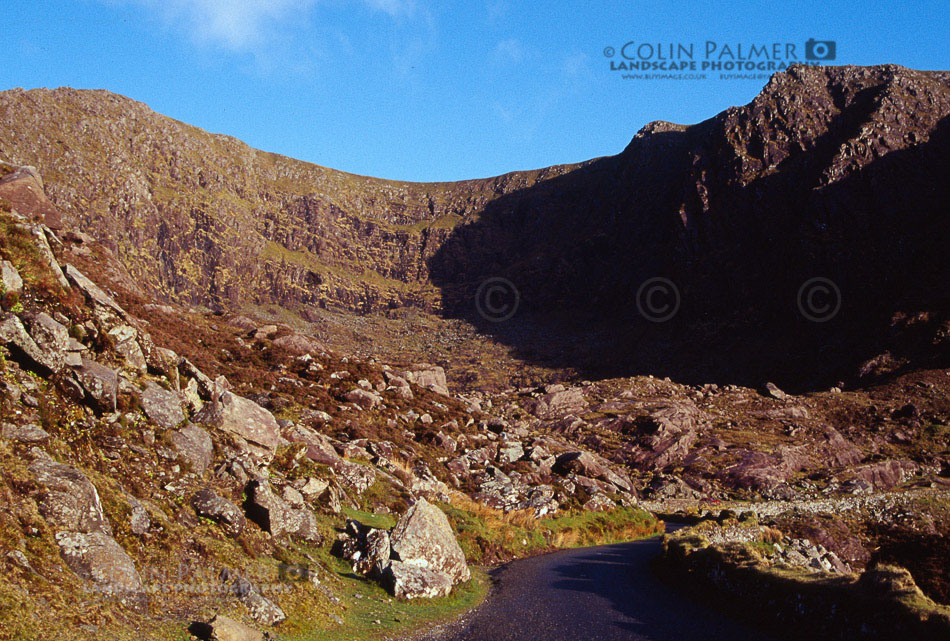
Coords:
832,173
179,409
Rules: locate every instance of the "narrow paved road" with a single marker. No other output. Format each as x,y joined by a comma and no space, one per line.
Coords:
593,594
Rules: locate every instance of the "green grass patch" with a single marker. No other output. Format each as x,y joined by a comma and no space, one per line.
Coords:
367,611
379,521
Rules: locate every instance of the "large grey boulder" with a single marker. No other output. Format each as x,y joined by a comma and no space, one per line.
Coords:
96,557
431,377
53,339
558,403
209,505
194,445
423,537
407,581
125,338
29,433
245,418
10,278
261,609
221,628
278,517
591,466
107,311
364,399
298,344
509,452
99,383
50,354
71,501
162,406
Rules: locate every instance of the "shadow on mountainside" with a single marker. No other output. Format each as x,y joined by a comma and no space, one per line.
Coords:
578,249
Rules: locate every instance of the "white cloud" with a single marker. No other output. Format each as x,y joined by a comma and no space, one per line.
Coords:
248,25
395,8
576,65
238,25
510,50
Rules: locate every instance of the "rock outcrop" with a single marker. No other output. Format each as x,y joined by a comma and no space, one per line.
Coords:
419,558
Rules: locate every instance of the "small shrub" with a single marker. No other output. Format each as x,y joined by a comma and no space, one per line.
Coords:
771,535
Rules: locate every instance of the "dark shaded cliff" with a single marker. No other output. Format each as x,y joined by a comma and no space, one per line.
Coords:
837,173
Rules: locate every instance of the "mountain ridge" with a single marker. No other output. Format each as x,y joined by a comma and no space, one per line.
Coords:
829,172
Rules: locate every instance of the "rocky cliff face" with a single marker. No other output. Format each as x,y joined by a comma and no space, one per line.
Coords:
837,173
204,218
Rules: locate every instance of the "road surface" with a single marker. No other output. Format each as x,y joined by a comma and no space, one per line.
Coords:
602,593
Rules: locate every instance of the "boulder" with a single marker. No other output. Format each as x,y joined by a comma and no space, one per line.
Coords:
445,442
431,377
221,628
245,418
211,506
261,609
509,452
53,339
665,435
884,475
592,466
108,311
10,280
423,537
194,445
265,332
297,344
127,346
162,406
96,557
314,486
364,399
99,383
29,433
70,501
558,403
274,515
408,581
771,389
13,333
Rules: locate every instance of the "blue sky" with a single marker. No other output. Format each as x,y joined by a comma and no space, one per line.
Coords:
420,90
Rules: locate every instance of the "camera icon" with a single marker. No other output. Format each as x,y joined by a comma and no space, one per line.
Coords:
820,49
